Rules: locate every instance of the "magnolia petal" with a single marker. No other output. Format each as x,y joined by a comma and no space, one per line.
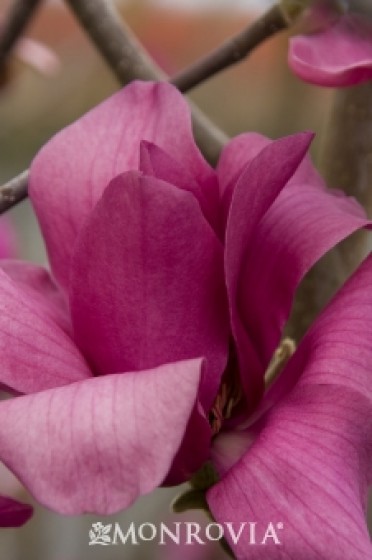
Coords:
301,226
147,283
99,444
13,513
237,155
36,352
311,461
36,281
72,170
154,162
339,55
194,450
255,192
307,471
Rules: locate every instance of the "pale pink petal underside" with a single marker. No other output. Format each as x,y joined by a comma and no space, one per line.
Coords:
36,352
99,444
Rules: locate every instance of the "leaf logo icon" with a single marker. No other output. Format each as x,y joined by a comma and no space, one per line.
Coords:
99,534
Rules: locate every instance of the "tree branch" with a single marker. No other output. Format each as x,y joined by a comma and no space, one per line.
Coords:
115,41
13,191
232,51
14,24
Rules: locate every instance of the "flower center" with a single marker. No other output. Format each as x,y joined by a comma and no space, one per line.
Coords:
231,395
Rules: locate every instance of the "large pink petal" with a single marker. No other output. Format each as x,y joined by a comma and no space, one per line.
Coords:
311,462
340,55
98,444
71,172
147,283
301,226
308,471
255,192
36,352
13,513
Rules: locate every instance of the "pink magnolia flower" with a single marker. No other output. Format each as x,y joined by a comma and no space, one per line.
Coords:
338,52
38,56
169,277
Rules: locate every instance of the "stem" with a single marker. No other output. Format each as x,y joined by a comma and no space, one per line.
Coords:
15,22
232,51
13,192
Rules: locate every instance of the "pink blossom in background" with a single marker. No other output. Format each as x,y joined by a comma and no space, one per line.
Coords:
37,56
338,52
13,513
171,285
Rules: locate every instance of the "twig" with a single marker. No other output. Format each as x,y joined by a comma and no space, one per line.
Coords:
14,24
232,51
115,41
14,191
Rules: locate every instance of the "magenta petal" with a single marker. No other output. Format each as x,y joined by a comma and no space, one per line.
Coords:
237,155
71,172
255,192
13,513
300,227
36,352
36,281
311,463
194,450
308,471
341,55
147,284
157,163
98,444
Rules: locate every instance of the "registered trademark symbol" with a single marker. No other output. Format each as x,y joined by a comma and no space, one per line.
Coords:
279,525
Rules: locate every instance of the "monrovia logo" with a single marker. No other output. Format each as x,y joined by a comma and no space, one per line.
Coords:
183,532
